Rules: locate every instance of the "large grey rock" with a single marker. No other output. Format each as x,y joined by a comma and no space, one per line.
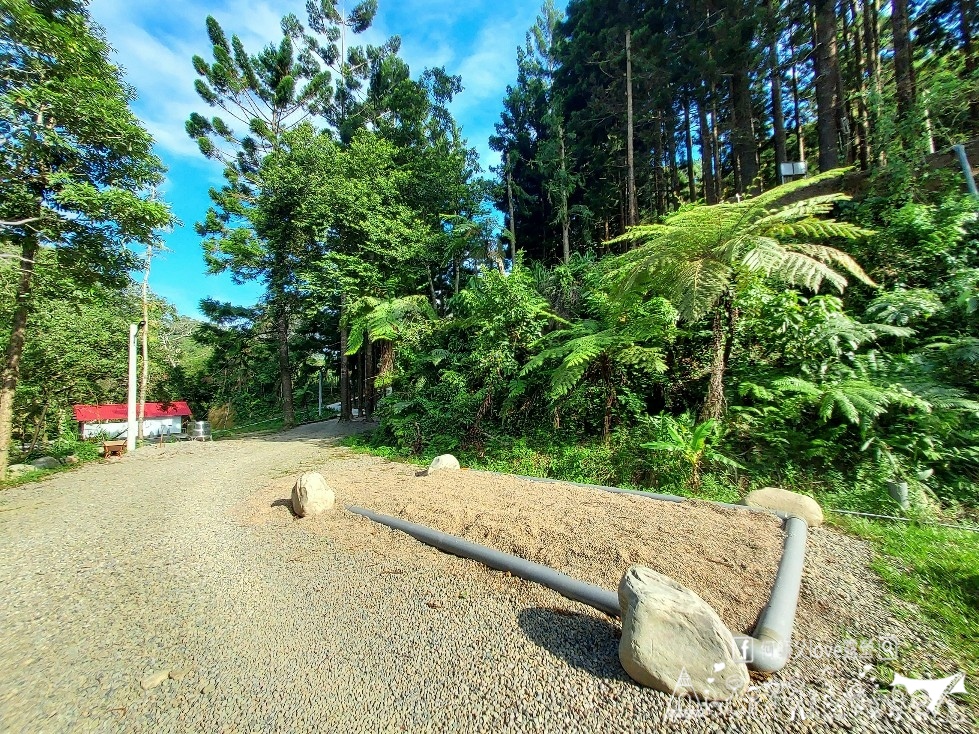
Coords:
782,500
311,495
673,641
445,462
45,462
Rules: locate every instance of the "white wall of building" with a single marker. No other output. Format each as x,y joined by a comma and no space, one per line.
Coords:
116,429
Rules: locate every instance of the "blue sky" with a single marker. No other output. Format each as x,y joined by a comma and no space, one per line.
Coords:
154,41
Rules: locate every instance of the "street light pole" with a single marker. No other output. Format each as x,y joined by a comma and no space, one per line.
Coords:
131,413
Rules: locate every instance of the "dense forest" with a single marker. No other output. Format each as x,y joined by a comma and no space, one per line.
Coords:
635,295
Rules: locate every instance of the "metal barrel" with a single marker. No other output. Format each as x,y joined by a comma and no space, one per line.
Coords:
200,429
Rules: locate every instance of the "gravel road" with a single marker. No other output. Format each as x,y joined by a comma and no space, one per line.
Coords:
135,598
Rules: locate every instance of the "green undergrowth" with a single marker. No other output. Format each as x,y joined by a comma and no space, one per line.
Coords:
593,463
85,451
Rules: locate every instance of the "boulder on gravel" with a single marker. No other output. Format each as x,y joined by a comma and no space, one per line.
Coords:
445,462
673,641
782,500
311,495
45,462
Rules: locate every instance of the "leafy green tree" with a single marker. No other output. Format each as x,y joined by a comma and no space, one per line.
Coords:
698,256
76,166
267,95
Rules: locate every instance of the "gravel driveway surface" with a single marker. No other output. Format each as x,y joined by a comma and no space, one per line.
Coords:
135,598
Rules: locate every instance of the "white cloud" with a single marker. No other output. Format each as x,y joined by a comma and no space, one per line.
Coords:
155,42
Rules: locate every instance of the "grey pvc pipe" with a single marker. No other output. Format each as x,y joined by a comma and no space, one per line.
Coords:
970,181
593,596
766,651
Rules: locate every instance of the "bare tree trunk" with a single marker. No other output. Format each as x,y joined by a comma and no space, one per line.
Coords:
743,134
674,199
39,426
860,44
513,219
431,281
800,142
15,348
346,410
145,375
285,369
966,11
609,399
903,65
847,118
630,160
565,215
688,142
386,361
362,382
827,84
715,404
706,153
871,29
659,183
716,147
778,114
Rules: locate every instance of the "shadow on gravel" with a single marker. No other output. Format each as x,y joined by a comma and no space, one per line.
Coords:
584,642
285,502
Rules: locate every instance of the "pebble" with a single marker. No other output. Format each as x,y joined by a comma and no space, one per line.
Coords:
154,679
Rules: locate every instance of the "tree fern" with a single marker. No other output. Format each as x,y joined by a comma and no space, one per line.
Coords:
384,320
901,307
694,253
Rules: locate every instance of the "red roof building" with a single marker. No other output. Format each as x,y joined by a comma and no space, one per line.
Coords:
119,411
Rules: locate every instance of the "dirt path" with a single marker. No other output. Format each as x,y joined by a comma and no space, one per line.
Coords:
116,572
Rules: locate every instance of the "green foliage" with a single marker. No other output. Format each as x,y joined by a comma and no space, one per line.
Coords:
695,255
693,445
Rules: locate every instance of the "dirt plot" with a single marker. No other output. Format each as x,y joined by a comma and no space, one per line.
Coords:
728,557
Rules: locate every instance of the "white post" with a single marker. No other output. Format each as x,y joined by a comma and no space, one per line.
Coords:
321,393
131,415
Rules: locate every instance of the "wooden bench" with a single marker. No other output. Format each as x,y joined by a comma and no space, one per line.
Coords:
113,448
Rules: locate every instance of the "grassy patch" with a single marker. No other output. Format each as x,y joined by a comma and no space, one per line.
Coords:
938,570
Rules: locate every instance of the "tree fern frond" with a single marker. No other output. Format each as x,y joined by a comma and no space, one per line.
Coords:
832,256
900,307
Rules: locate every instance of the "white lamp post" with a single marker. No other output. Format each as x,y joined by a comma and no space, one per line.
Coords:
131,415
